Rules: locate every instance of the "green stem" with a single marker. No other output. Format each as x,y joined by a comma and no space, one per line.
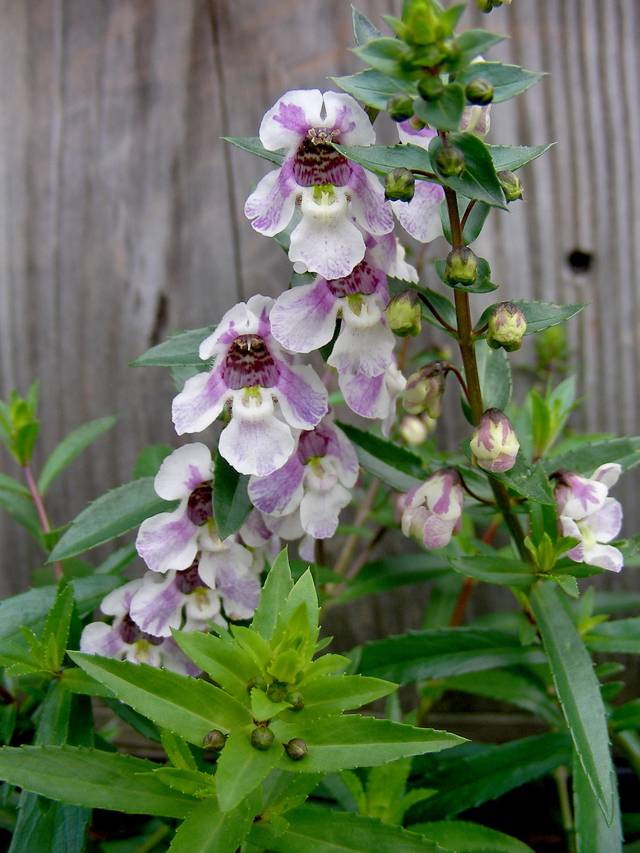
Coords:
562,783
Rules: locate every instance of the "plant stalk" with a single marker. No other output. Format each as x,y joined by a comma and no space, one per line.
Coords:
42,512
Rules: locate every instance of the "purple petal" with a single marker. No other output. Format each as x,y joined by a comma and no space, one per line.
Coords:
270,206
98,638
420,217
302,396
304,318
156,607
367,396
281,492
437,531
289,119
200,402
368,204
168,541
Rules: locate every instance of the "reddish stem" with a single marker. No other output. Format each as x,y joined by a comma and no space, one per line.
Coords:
42,512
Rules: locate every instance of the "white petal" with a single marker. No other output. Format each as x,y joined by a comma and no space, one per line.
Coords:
289,119
368,204
118,601
609,474
255,441
344,454
245,318
202,604
304,318
437,531
345,114
409,134
605,557
387,253
98,638
605,522
580,497
320,510
420,217
287,527
270,206
363,348
302,396
200,402
156,607
367,396
183,471
168,541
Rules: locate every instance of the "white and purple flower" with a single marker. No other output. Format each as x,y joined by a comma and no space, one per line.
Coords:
252,371
432,512
330,190
374,396
315,482
588,514
494,443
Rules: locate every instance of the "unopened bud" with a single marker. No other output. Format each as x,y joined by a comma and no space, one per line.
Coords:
430,88
489,5
404,315
449,161
399,185
296,700
494,442
430,423
296,749
277,691
461,266
511,185
258,682
215,739
413,430
479,91
400,107
425,390
507,325
261,738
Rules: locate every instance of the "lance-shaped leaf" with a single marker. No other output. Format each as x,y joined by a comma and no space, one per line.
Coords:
504,571
274,593
621,636
586,458
383,159
494,372
209,830
253,145
363,29
465,837
373,88
392,572
70,447
241,767
593,834
507,80
539,315
184,705
331,695
446,111
399,468
179,349
231,504
225,661
510,158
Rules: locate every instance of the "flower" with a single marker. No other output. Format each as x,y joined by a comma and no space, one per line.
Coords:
169,541
374,396
123,639
420,217
316,480
588,514
330,190
432,511
251,370
494,442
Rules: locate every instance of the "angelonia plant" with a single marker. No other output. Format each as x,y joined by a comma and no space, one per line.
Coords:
325,403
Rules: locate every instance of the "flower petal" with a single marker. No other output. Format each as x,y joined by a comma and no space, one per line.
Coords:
341,449
577,496
345,115
281,492
256,441
202,604
437,531
245,318
609,474
387,253
270,206
156,607
301,394
118,601
606,522
290,118
320,510
362,347
98,638
200,402
570,528
175,660
183,471
304,318
168,541
367,396
415,136
605,557
368,204
420,217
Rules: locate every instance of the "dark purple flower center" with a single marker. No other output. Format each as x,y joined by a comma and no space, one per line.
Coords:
312,444
130,633
189,579
199,507
248,363
363,278
316,162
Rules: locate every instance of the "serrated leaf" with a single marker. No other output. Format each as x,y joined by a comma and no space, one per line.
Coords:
621,636
274,593
150,459
208,830
179,349
241,768
529,481
384,54
189,781
397,467
363,29
224,661
507,80
585,459
474,42
331,695
373,88
20,507
465,837
503,571
177,750
593,834
478,180
56,627
510,158
231,504
70,447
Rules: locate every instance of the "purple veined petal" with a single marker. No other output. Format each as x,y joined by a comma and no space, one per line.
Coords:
346,116
415,136
363,347
303,319
368,204
420,217
341,449
325,240
200,402
289,119
388,253
302,396
118,601
270,206
183,471
577,496
367,396
320,510
281,492
202,604
240,591
568,527
609,474
287,527
98,638
168,541
245,318
437,531
212,561
255,441
174,659
606,522
307,548
156,607
604,556
254,532
443,495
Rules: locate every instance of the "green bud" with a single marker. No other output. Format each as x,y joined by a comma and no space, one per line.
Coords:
452,52
400,107
430,88
404,315
511,185
277,691
296,700
461,267
489,5
507,325
425,389
423,23
262,738
449,161
215,739
258,681
399,185
479,91
296,749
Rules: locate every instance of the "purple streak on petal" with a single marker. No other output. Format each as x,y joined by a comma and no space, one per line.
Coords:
291,117
364,278
368,202
194,479
363,394
157,542
273,493
303,319
342,125
187,411
265,205
583,490
437,532
160,613
410,130
308,405
443,504
240,587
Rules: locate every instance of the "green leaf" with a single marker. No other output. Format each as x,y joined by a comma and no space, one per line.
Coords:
342,743
75,680
253,145
391,572
189,781
274,593
373,88
20,507
363,29
208,830
383,159
8,484
322,830
494,371
445,112
478,180
241,767
231,504
529,481
331,695
504,571
593,834
621,636
585,459
223,660
91,778
150,459
56,627
397,467
539,315
186,706
465,837
579,692
474,222
384,54
507,80
70,447
442,652
177,750
303,592
510,158
179,349
474,42
110,516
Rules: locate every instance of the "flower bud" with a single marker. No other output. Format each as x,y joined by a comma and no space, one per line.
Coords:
507,325
215,739
432,511
296,700
277,691
258,681
489,5
400,107
449,161
399,185
296,749
404,314
413,430
425,390
494,442
430,88
511,185
262,738
479,91
461,267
